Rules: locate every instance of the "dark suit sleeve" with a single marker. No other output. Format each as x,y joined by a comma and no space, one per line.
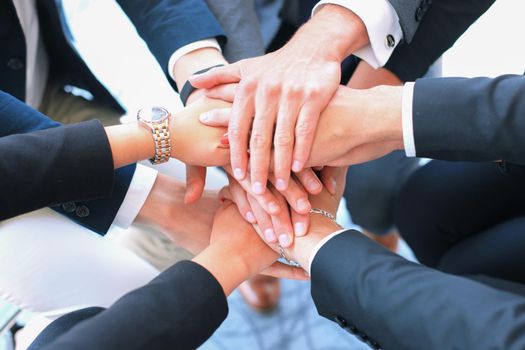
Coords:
180,309
396,304
479,119
17,118
51,166
167,25
410,14
444,23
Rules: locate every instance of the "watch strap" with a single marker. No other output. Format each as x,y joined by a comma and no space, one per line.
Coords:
188,89
162,139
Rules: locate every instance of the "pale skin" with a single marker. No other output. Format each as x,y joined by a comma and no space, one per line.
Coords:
236,242
187,225
236,253
296,194
286,90
304,246
357,126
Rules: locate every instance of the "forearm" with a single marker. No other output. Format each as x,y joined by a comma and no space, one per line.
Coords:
130,143
356,118
192,142
226,266
334,32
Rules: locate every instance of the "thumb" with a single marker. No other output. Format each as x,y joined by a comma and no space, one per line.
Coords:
217,76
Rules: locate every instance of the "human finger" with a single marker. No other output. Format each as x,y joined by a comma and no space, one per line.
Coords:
195,182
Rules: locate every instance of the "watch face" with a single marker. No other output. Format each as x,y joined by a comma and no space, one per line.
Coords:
153,114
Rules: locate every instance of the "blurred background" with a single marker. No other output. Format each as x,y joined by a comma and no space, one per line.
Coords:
119,57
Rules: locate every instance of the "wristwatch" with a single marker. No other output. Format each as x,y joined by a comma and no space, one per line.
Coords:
157,119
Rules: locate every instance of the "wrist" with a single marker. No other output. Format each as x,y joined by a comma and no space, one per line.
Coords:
228,268
130,143
376,112
304,246
338,32
391,129
195,61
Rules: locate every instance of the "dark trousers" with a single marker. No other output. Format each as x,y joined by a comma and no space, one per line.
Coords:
465,218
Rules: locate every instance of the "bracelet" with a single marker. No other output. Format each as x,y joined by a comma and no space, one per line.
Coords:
188,89
323,213
281,249
285,259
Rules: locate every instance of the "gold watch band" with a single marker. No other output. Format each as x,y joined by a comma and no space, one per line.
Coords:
161,136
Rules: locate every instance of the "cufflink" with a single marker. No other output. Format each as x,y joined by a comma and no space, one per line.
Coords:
390,41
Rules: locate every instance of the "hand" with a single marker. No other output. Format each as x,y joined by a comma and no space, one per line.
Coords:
192,142
188,226
287,89
279,225
236,252
320,226
184,67
357,125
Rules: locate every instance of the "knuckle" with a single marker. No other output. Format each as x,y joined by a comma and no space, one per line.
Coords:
313,91
234,131
283,139
304,128
271,88
293,90
247,84
259,140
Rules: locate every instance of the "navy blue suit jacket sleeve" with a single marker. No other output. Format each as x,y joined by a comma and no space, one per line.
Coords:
179,309
167,25
392,303
443,24
18,118
478,119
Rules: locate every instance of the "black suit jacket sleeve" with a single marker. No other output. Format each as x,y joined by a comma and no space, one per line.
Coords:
17,118
53,166
167,25
478,119
444,23
396,304
179,309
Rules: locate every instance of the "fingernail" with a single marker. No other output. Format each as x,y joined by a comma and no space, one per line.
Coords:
313,185
270,235
284,241
303,205
300,229
204,117
250,217
296,166
273,207
258,187
238,173
280,184
224,140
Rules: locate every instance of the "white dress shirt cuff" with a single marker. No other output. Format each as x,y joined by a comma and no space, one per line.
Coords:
201,44
382,24
320,245
407,120
139,189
